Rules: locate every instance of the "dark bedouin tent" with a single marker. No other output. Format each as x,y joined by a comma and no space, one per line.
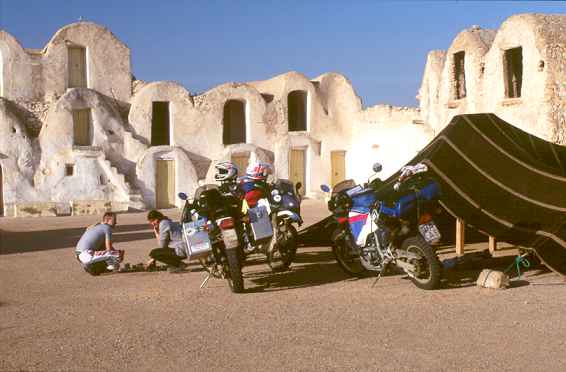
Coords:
501,180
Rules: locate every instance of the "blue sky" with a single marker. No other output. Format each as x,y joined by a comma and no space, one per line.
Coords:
381,46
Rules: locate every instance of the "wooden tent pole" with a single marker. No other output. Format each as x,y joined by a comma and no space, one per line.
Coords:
492,244
460,236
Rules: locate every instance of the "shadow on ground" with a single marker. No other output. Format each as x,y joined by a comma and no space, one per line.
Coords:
466,275
310,269
31,241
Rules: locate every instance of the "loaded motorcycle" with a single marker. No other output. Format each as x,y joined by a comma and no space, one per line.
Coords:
378,225
269,226
210,229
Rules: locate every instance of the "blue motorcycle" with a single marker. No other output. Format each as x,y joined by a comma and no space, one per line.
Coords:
379,224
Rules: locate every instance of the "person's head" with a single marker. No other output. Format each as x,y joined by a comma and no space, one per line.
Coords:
110,218
155,217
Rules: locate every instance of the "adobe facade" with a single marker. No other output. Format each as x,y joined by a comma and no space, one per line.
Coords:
517,72
78,134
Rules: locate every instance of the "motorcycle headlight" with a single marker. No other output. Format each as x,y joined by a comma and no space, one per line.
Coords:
274,192
277,198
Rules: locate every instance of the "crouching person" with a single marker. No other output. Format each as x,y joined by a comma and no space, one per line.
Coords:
172,248
95,250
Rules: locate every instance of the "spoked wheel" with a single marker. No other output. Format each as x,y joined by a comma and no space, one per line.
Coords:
347,259
282,252
234,272
428,270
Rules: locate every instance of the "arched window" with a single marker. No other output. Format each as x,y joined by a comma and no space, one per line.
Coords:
297,110
513,67
234,122
160,124
459,75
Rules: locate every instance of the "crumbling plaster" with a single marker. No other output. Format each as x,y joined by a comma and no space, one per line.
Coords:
16,77
108,61
56,142
16,158
539,110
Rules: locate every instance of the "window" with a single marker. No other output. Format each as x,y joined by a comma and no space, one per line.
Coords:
234,123
459,77
77,66
69,170
82,128
297,110
513,70
160,128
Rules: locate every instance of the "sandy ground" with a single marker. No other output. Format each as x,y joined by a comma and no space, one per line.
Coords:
54,316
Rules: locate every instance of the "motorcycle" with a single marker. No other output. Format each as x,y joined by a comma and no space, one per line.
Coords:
378,225
269,227
210,229
285,204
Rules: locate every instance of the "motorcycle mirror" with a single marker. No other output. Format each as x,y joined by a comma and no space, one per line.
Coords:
377,167
325,188
183,196
298,186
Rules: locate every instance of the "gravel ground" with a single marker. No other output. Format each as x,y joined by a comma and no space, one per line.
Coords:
53,316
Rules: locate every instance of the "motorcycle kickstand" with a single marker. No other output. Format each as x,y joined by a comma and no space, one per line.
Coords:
376,279
203,284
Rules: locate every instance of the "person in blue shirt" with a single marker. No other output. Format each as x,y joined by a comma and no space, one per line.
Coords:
95,250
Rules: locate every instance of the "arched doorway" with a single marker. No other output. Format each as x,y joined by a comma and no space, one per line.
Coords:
234,122
297,110
165,183
76,66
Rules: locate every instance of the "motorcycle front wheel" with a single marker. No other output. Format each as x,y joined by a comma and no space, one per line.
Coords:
428,272
234,272
348,261
281,255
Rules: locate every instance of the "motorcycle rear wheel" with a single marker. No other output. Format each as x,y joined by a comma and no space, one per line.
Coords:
234,277
430,271
348,262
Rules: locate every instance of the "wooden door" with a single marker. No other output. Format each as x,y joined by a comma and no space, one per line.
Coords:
81,128
241,161
338,166
164,184
297,168
77,67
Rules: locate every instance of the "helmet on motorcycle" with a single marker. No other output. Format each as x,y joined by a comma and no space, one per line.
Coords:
259,171
225,171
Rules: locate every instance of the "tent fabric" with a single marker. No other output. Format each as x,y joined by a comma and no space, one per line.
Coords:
502,181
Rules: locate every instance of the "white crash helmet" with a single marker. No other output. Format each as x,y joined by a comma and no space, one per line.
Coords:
259,171
225,171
